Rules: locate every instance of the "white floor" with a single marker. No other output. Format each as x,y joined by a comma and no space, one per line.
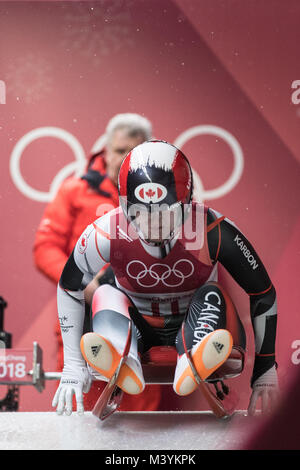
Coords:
123,431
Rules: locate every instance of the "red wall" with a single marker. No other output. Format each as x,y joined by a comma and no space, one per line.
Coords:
182,64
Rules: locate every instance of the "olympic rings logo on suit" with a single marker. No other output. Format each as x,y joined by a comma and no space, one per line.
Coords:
164,277
77,167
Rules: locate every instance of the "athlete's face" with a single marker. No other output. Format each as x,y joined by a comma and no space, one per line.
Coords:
120,144
158,225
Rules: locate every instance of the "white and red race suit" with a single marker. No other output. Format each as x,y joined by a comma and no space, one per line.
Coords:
161,281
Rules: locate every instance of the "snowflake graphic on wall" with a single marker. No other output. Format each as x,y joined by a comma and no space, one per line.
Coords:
97,29
29,78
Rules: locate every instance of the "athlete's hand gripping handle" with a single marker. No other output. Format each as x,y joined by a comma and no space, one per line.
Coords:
75,380
265,388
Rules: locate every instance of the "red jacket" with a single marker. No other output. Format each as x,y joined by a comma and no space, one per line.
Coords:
77,203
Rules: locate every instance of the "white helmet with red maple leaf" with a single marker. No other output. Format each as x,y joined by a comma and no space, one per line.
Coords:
155,189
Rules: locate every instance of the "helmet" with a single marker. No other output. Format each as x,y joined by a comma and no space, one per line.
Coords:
155,189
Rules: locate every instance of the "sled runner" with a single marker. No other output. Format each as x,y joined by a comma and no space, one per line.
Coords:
111,397
159,366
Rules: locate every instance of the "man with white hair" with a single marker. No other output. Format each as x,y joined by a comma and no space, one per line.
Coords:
77,203
122,132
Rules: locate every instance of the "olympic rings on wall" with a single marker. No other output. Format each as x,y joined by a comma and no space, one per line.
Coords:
77,167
